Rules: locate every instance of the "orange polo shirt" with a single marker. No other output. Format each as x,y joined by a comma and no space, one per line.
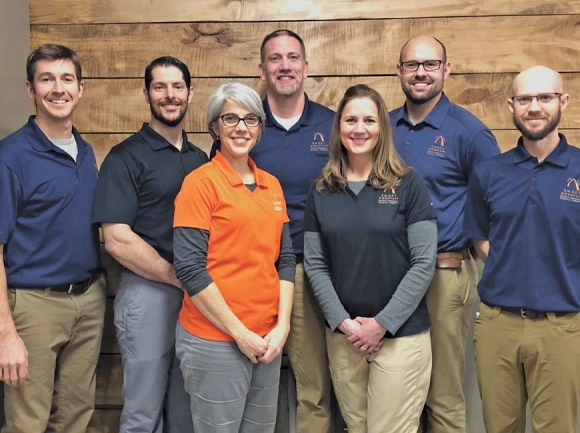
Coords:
244,243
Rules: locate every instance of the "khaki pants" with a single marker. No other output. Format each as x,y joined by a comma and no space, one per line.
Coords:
450,300
384,392
306,349
528,359
62,334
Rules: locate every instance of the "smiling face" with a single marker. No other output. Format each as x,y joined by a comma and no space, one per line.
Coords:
236,141
284,67
540,117
168,95
359,127
55,90
422,86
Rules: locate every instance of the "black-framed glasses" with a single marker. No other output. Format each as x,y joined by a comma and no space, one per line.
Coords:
231,119
428,65
542,98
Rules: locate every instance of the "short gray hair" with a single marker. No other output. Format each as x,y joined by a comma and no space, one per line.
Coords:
235,92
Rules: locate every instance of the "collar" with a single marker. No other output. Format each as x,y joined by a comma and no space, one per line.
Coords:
41,143
234,178
308,115
435,118
560,157
157,142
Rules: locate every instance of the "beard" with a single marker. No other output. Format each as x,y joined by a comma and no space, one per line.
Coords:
537,135
158,114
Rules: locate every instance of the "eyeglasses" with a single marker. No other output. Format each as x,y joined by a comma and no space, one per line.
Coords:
231,119
428,65
542,98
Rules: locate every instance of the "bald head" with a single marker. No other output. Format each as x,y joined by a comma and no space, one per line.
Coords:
537,80
423,43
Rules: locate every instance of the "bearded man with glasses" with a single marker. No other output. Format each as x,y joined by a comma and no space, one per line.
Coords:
444,143
522,212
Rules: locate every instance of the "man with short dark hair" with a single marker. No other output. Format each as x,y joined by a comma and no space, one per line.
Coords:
52,286
444,143
522,212
139,181
294,148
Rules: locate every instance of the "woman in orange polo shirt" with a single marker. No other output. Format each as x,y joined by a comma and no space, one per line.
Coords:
233,254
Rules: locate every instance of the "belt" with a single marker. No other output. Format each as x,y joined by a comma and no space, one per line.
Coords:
528,314
451,259
79,287
299,258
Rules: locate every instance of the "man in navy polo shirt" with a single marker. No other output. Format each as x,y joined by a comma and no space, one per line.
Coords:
138,183
523,211
52,287
294,148
444,143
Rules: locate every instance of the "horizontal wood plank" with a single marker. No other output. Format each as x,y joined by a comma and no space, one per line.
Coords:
102,143
105,421
475,44
134,11
117,105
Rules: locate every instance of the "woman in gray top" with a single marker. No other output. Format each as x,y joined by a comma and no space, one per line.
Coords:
369,248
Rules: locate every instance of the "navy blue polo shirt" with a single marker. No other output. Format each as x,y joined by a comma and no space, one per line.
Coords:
530,213
295,157
444,148
138,183
365,240
46,200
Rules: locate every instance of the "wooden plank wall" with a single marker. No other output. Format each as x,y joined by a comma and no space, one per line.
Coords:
348,42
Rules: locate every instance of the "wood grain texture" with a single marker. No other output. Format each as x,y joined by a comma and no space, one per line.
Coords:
117,105
109,382
474,44
105,421
132,11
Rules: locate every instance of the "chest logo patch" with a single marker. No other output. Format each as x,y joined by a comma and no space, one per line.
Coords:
438,147
389,196
276,202
572,191
318,143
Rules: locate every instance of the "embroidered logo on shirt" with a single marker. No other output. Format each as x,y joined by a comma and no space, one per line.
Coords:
318,143
438,147
276,202
572,191
389,196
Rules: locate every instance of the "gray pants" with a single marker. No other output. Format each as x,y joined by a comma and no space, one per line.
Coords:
228,393
146,313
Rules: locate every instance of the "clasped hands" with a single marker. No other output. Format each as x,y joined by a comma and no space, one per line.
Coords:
365,333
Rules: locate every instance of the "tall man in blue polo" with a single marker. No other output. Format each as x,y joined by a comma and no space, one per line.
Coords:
444,143
294,148
523,211
139,181
52,288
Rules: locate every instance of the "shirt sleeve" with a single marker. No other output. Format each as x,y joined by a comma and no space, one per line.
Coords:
286,264
194,203
10,199
116,195
317,268
417,203
190,258
476,213
422,239
483,146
